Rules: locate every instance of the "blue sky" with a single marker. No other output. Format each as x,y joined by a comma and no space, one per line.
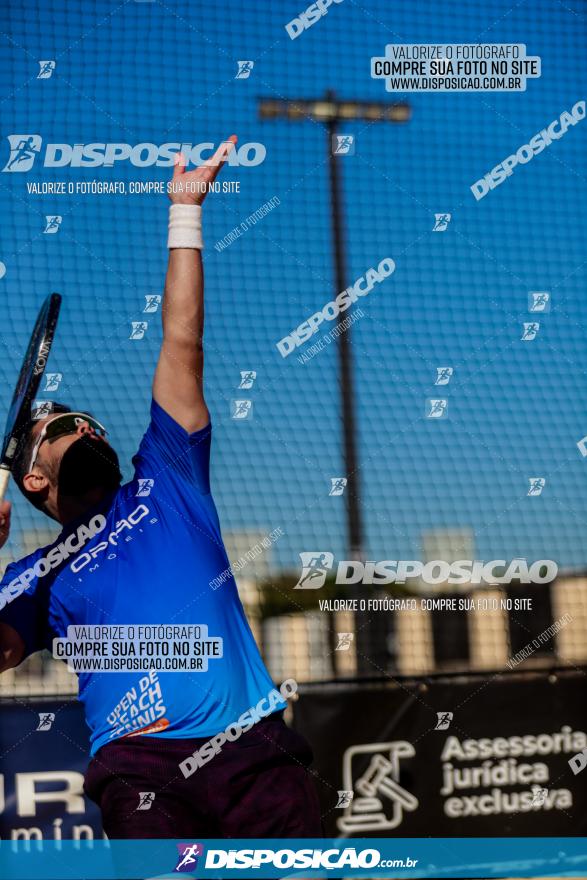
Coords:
158,72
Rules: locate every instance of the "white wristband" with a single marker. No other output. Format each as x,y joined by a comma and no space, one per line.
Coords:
185,227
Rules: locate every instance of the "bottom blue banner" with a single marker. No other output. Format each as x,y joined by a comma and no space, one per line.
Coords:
359,857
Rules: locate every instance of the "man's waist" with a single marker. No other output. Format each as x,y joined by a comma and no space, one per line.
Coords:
163,740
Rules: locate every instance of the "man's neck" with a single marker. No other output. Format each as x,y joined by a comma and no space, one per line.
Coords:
69,509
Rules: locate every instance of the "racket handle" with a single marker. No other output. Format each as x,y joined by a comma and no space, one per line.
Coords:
4,478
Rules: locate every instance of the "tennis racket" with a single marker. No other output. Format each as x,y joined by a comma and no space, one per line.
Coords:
31,373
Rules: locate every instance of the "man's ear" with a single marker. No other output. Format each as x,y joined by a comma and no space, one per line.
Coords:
36,482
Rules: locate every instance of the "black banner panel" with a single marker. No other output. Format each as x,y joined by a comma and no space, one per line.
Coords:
453,756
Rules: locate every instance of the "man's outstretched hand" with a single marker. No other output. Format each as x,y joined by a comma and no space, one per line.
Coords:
4,522
191,187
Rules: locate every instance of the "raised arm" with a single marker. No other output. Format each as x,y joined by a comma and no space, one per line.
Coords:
178,382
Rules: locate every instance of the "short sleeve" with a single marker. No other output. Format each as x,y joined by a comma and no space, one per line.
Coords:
166,446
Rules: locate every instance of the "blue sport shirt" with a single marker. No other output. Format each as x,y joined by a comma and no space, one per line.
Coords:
155,561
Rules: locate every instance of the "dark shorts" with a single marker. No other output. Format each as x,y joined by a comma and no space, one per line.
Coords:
257,786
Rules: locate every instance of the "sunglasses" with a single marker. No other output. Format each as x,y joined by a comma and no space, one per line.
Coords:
66,423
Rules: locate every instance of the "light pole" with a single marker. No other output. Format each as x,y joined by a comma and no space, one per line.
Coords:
332,112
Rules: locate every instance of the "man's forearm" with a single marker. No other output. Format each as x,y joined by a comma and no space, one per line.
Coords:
183,300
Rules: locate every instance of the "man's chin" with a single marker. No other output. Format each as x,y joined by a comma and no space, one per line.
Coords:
89,497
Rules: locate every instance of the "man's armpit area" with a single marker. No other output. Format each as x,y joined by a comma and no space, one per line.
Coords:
11,647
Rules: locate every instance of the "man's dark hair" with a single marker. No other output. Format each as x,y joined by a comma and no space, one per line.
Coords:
23,454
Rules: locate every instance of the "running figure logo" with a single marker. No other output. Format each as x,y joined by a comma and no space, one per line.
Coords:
46,720
539,301
245,68
344,641
537,484
436,408
247,378
189,854
338,485
444,719
138,329
441,222
41,409
443,375
46,69
152,302
241,409
23,151
146,799
344,799
52,381
530,331
315,567
343,144
372,772
53,222
540,795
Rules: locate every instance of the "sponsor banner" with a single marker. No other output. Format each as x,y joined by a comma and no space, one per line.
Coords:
407,756
45,752
259,858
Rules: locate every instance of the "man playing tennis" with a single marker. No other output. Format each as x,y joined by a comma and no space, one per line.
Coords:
145,553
